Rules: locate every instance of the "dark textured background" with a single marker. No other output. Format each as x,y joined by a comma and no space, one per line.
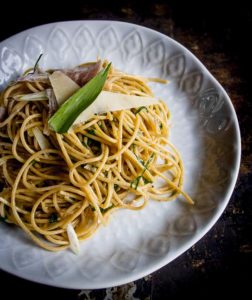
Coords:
221,262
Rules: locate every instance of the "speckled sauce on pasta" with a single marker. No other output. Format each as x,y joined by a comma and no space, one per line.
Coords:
115,160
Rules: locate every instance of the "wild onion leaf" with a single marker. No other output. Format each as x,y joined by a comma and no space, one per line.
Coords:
36,63
65,116
38,96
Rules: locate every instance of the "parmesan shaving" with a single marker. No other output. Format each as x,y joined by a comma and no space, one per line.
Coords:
63,86
108,101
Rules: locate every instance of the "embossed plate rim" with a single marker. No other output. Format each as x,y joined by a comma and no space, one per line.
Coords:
197,236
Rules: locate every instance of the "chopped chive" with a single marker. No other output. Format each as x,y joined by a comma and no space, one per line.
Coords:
135,182
148,162
137,157
53,218
91,131
140,160
146,181
104,210
140,109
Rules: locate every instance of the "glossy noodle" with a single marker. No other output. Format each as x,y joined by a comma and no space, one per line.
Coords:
114,160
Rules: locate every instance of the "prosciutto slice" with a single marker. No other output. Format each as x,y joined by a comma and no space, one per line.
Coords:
35,76
83,73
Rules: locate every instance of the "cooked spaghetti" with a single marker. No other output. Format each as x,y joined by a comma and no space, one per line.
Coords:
114,160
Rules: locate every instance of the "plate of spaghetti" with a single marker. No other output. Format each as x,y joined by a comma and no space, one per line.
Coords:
118,151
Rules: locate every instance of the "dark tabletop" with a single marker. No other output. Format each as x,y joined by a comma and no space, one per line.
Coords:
221,262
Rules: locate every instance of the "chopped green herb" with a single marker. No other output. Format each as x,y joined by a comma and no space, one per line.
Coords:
140,109
146,181
161,126
140,160
67,113
148,162
104,210
91,131
135,182
134,151
116,187
53,218
94,145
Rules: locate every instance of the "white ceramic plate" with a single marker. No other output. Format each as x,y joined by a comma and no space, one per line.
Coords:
204,129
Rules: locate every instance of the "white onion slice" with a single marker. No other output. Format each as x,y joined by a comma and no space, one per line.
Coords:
41,139
73,239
